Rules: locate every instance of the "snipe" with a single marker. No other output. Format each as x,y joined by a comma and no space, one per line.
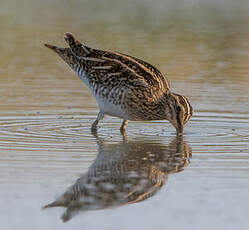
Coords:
124,86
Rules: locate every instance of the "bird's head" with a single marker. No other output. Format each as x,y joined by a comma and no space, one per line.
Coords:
179,111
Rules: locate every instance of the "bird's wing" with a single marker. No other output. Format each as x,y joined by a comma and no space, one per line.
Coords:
114,68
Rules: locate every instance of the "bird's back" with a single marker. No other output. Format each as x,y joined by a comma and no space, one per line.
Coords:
124,86
117,80
121,70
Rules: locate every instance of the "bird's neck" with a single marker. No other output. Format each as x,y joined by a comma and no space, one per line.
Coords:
168,101
163,106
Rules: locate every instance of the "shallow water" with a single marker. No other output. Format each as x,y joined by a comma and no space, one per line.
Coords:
198,182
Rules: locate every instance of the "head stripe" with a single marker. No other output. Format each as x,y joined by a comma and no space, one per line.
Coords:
188,107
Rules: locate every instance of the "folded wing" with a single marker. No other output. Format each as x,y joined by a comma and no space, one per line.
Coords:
116,69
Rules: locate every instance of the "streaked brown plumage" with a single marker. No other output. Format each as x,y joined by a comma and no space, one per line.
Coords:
125,86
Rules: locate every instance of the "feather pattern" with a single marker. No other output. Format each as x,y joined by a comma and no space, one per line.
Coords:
125,86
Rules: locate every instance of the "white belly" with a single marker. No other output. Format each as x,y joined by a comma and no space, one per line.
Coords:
109,108
106,106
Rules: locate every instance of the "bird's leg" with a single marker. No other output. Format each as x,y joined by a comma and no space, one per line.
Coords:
123,127
95,123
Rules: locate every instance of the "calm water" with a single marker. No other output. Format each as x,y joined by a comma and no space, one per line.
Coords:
49,155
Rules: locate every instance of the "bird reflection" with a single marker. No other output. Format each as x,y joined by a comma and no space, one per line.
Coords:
124,173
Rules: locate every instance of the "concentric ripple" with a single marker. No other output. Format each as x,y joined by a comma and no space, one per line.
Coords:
56,132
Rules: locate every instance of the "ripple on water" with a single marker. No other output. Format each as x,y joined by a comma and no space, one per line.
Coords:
214,136
47,129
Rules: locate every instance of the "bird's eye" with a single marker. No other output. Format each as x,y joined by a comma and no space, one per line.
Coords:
178,108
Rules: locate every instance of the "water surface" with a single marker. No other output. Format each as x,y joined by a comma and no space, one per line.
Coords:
47,150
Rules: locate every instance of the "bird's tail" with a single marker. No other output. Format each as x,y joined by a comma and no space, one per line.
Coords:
77,48
54,204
